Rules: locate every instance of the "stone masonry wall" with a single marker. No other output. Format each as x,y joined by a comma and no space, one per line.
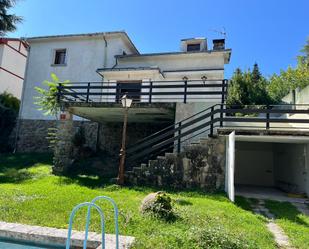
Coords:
33,133
110,135
200,165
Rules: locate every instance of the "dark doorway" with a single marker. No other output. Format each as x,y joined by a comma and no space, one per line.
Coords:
132,89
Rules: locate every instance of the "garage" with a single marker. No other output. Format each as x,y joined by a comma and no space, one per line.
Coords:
272,165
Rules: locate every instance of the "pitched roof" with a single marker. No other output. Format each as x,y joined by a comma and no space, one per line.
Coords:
121,33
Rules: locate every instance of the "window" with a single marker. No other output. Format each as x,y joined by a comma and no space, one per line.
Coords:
194,47
60,55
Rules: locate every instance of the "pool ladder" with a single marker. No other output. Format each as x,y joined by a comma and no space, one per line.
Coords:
95,206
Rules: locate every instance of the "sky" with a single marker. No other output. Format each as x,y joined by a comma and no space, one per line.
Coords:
269,32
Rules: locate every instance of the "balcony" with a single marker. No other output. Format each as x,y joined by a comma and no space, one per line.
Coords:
152,100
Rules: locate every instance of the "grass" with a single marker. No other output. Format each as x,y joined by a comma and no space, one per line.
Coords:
294,224
30,194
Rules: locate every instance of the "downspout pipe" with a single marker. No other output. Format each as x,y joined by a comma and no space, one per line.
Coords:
104,66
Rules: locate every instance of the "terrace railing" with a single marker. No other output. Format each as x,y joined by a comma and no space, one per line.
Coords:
206,122
144,92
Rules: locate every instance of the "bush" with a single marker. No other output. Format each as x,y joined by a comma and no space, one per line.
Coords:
218,237
158,205
9,106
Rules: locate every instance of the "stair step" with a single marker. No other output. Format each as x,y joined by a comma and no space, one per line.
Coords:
161,157
167,154
152,162
137,169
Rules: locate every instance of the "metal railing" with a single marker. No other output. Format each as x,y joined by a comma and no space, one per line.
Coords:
147,92
220,115
90,205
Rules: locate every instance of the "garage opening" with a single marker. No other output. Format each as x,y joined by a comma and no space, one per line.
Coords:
273,168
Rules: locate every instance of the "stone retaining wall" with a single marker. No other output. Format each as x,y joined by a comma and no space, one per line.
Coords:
200,165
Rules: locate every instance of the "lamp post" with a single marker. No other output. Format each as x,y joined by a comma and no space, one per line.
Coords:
126,103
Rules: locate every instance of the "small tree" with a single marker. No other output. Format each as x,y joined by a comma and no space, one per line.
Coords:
47,100
48,103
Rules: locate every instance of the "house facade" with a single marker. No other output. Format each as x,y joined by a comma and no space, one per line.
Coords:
111,59
180,131
13,57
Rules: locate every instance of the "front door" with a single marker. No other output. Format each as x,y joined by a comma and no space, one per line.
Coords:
131,88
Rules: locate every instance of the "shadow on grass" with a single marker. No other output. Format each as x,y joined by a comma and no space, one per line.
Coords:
285,210
243,203
14,167
23,160
90,181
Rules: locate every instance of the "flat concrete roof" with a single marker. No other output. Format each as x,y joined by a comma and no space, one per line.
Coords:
175,53
272,135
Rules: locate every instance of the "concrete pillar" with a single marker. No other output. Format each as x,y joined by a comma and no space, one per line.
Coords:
63,151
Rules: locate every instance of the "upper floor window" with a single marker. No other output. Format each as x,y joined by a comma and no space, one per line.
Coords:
60,57
194,47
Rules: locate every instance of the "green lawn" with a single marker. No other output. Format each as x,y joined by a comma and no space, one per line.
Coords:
31,195
294,224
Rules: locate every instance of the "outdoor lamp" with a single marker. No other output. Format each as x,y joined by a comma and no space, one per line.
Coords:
125,101
204,78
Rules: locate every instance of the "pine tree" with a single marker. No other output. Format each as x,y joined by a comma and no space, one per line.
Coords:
8,22
256,74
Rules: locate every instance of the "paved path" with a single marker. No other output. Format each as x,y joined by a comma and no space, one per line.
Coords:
281,238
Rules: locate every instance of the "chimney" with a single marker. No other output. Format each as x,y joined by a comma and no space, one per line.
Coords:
218,44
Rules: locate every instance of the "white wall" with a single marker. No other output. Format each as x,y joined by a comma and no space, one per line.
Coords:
14,62
84,56
254,164
290,166
301,96
187,61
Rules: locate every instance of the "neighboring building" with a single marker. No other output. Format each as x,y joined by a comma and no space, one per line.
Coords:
13,57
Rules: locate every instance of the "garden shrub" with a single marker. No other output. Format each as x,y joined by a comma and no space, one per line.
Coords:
158,205
9,106
218,237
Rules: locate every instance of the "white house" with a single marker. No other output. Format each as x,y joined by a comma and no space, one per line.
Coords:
112,58
178,100
13,56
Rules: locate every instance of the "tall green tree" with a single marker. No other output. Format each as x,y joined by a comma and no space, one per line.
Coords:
8,21
304,58
281,84
248,88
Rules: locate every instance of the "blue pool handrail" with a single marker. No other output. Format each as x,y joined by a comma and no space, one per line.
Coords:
115,219
75,209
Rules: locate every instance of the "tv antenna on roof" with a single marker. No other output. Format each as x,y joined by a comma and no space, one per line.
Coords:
221,32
